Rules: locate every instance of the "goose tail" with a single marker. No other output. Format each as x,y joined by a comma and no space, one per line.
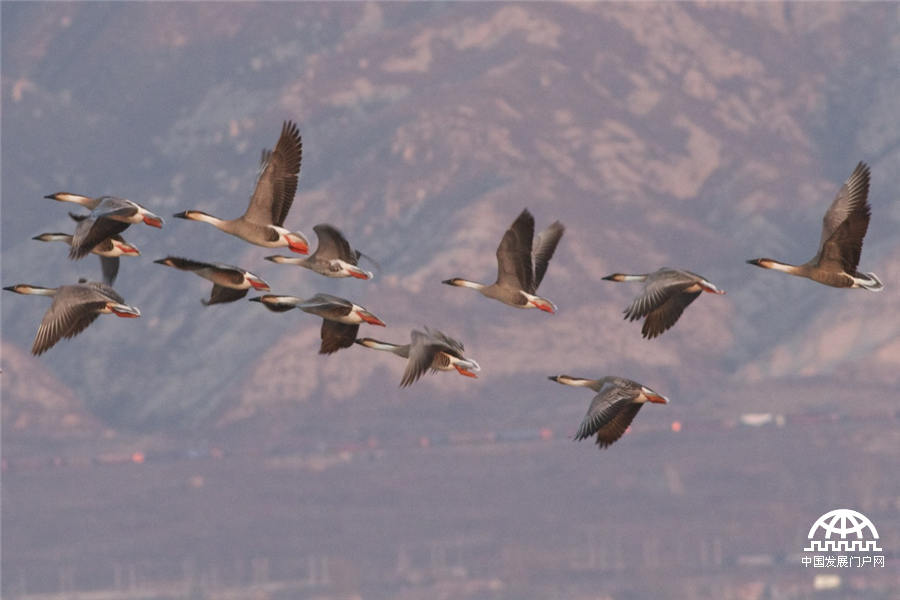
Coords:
869,281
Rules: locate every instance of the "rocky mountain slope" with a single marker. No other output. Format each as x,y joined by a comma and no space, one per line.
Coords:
695,136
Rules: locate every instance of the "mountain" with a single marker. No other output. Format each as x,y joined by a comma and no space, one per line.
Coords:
693,136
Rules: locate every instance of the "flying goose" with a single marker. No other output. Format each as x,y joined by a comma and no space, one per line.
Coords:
333,257
521,264
109,217
229,283
74,307
432,349
109,251
843,229
617,402
340,317
667,292
262,222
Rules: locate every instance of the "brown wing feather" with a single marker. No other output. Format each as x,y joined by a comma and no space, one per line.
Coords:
91,232
73,309
667,314
604,407
842,250
277,182
616,427
544,247
221,294
421,355
850,204
660,287
333,244
514,267
109,266
336,336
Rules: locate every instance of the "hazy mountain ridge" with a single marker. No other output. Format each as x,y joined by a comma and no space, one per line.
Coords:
668,140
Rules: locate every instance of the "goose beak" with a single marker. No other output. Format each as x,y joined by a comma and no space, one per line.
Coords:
546,306
370,318
153,220
297,244
299,247
361,274
655,398
125,311
708,287
466,372
259,284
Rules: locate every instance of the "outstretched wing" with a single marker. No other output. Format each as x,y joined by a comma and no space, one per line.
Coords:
277,180
187,264
661,286
73,309
422,351
514,267
845,223
666,314
92,231
333,244
109,266
326,306
544,247
336,336
609,415
450,345
221,294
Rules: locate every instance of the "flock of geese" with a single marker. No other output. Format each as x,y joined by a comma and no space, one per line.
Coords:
522,262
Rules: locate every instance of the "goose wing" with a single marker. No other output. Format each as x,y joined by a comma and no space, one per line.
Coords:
115,209
336,336
221,294
609,415
514,267
103,289
660,287
845,223
422,351
446,343
326,306
221,274
277,181
544,247
109,266
74,307
333,244
665,315
92,231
